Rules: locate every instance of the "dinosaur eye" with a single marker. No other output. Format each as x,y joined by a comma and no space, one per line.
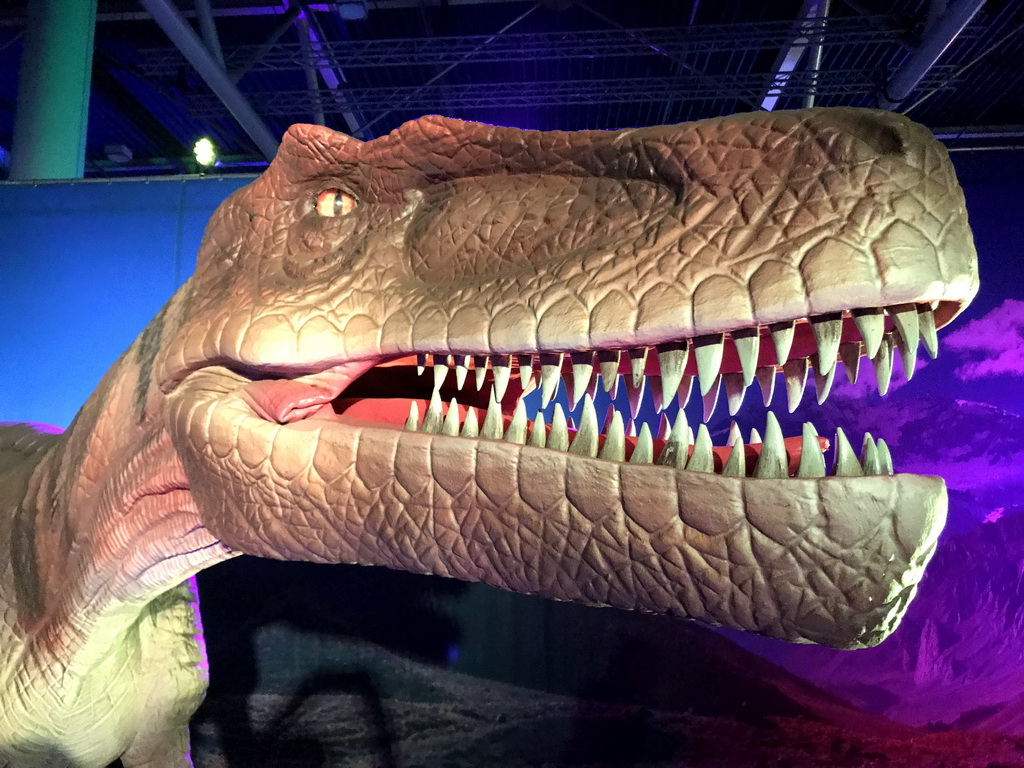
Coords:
335,202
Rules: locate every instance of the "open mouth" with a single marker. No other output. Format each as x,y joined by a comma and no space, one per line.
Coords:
591,403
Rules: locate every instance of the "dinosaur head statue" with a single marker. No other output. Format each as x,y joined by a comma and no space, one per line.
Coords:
346,382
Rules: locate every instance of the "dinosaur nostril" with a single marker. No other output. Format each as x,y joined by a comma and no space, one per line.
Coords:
884,133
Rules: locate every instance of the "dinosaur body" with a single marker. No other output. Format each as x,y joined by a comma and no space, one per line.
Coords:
276,405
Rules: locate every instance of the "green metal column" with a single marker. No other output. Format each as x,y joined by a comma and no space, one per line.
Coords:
52,112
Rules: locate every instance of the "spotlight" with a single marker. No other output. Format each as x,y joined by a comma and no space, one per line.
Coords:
205,152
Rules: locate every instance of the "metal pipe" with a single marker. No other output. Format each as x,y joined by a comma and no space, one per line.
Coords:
814,63
181,34
905,79
208,29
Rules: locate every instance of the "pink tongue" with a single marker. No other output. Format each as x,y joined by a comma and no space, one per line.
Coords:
285,400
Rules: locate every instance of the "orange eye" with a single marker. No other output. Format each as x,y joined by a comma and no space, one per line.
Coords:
335,202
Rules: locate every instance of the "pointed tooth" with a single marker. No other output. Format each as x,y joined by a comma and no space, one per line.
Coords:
421,363
683,395
635,393
440,370
614,447
703,458
908,335
592,388
538,437
664,427
451,420
558,437
516,432
412,421
608,359
871,324
493,421
582,373
822,382
550,376
766,380
471,426
711,398
926,324
585,442
884,457
795,372
643,453
812,460
525,369
773,461
846,463
631,428
882,363
748,346
432,421
782,337
677,446
480,367
849,353
734,391
755,437
689,435
672,362
461,371
571,423
708,350
501,365
735,436
637,364
736,465
869,462
827,330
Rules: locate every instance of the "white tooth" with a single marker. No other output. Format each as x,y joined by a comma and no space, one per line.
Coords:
471,426
812,460
412,421
871,324
734,390
480,367
846,463
631,428
614,447
689,435
908,335
664,427
643,453
493,422
766,380
592,389
703,458
672,361
582,373
683,395
822,382
926,323
735,436
609,363
525,369
748,346
550,376
451,420
538,437
440,370
432,421
869,457
677,446
708,350
884,457
421,363
882,363
637,364
570,422
501,365
849,353
773,461
635,394
827,330
461,371
736,465
711,398
516,432
585,442
782,337
558,437
795,372
755,437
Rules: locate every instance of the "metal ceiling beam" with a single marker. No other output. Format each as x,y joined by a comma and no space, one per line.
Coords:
943,31
208,29
181,34
810,31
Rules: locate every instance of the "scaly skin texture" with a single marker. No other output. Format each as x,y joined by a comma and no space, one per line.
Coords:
238,421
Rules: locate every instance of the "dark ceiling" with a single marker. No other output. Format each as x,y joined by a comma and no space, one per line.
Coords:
549,64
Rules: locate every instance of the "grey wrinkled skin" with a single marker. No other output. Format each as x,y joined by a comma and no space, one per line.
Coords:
208,439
